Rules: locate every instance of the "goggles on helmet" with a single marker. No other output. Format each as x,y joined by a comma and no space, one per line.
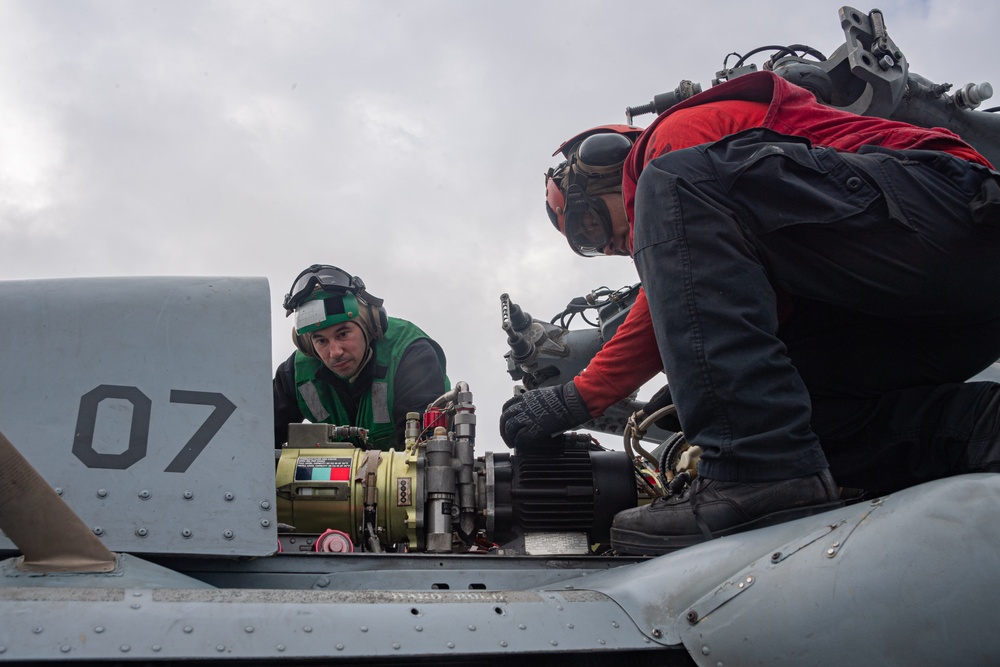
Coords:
593,167
329,279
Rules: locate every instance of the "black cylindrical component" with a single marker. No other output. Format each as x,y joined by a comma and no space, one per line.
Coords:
614,490
664,101
518,318
521,347
575,490
501,511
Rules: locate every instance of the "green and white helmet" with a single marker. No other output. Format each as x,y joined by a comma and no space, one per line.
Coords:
324,295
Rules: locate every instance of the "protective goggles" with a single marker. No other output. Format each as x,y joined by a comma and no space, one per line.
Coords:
588,223
328,278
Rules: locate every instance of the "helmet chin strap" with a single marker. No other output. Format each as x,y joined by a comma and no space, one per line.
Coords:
364,362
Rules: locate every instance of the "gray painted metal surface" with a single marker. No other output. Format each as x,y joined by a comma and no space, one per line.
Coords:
908,579
101,624
421,572
157,445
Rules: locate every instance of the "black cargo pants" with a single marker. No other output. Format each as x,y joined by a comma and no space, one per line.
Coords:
891,263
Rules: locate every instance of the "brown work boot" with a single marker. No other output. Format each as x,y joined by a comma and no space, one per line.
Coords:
710,508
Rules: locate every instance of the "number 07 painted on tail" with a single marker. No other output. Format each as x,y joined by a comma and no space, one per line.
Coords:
86,422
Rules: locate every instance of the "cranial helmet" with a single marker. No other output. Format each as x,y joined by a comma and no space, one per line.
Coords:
322,296
593,166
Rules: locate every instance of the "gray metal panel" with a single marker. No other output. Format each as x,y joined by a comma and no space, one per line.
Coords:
147,403
391,571
909,579
102,624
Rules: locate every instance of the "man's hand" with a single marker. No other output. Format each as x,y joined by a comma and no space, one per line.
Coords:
534,417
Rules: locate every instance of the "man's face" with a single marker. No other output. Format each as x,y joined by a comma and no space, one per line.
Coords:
619,243
341,348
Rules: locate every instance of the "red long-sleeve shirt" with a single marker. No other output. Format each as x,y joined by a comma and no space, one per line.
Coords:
631,358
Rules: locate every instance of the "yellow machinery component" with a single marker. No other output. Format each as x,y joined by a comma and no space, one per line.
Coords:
320,488
435,496
417,498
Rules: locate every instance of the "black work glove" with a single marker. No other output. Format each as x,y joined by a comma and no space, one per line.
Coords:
662,399
535,417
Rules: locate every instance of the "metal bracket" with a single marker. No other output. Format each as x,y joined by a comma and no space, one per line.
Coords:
720,596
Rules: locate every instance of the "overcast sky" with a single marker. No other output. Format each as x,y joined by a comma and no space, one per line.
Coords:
402,141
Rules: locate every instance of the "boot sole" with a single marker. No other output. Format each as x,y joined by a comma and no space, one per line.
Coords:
633,543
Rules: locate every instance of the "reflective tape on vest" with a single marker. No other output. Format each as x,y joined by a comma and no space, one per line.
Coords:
380,403
311,396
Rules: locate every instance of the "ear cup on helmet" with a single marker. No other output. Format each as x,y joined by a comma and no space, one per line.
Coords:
303,343
373,319
383,322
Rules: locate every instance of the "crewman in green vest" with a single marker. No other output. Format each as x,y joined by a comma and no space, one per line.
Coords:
354,365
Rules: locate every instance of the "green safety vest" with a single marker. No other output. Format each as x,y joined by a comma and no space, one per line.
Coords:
319,402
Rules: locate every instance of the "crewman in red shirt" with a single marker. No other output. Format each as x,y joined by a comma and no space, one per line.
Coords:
810,277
